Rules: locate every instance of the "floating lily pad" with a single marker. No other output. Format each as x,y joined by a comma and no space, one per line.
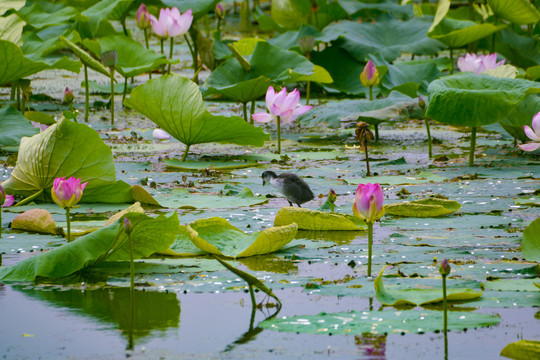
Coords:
512,285
182,199
430,207
317,220
378,322
522,350
217,236
419,296
423,177
203,165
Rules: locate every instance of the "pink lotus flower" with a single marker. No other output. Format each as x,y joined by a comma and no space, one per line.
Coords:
160,134
67,193
370,76
171,23
533,134
283,105
42,127
478,63
368,203
143,17
68,96
5,199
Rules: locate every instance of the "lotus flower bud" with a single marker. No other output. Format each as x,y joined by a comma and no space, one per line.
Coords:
2,195
306,43
128,228
109,58
220,11
370,76
143,17
68,96
368,202
444,268
67,193
421,102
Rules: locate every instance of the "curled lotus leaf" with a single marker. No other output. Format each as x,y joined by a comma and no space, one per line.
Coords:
430,207
317,220
35,220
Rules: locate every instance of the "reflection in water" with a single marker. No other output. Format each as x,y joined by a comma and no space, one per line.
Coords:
154,312
338,237
270,263
372,346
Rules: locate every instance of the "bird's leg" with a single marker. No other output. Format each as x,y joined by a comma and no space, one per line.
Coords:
299,205
290,203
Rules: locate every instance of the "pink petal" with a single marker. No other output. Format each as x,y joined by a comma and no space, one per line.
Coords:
270,95
291,100
536,123
530,133
9,201
262,117
301,110
280,98
160,134
529,146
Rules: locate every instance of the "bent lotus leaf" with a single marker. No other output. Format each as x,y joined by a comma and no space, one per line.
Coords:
530,245
420,296
317,220
182,245
430,207
522,350
378,322
517,11
217,236
175,104
522,115
64,149
149,235
11,28
467,99
35,220
14,126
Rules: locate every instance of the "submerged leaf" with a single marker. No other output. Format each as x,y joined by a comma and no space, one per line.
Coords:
317,220
430,207
217,236
419,296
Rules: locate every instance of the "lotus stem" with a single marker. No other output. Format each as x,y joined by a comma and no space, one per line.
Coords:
146,38
367,158
18,97
473,145
185,153
131,318
131,263
451,61
13,91
308,91
68,225
23,103
162,53
125,89
86,94
195,53
376,132
112,95
170,54
252,295
445,317
279,134
430,154
30,198
251,112
0,221
244,109
370,93
370,246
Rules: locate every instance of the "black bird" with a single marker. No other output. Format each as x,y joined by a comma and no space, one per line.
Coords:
295,189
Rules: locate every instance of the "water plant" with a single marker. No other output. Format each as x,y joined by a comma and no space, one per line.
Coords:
66,194
444,270
532,133
128,228
364,136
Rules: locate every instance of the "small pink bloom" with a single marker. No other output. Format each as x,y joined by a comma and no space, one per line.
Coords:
67,193
160,134
478,63
533,134
171,23
143,17
5,199
283,105
68,96
370,75
368,202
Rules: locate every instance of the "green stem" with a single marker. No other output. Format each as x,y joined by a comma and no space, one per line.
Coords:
195,53
68,225
131,318
451,61
376,132
367,159
279,134
185,153
86,94
252,111
370,246
0,220
18,97
148,47
112,95
370,93
445,325
131,263
170,54
162,53
430,154
308,91
30,198
13,91
252,295
244,110
219,27
23,101
473,145
189,45
125,90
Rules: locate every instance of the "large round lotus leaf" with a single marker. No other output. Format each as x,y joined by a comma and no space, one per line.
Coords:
518,49
530,245
14,126
420,296
175,104
217,236
522,115
430,207
516,11
317,220
388,37
91,20
467,99
44,14
63,150
458,33
378,322
11,29
36,220
522,350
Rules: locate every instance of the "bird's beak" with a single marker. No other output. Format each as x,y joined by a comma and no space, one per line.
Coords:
264,182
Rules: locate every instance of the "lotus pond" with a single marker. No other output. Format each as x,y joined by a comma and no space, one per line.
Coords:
170,175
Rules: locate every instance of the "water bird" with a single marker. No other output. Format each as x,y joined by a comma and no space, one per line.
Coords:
295,189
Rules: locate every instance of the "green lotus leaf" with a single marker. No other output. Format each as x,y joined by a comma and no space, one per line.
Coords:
512,285
378,322
294,13
358,9
14,126
175,104
44,14
63,150
458,33
423,177
389,38
11,29
149,235
182,245
289,40
319,75
467,99
118,192
40,117
419,296
133,58
210,165
522,350
522,115
217,236
317,220
533,73
243,92
517,11
530,245
198,7
430,207
6,5
518,48
92,20
182,199
14,65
